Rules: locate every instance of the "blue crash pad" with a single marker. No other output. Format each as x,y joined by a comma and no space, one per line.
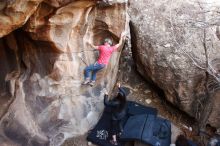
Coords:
162,130
148,129
136,123
100,134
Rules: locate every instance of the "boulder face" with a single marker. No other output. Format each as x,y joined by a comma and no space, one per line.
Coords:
14,13
43,65
176,45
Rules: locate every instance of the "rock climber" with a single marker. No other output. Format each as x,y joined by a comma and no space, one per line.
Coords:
105,52
118,109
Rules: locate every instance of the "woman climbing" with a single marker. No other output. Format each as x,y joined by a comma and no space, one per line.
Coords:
118,109
105,52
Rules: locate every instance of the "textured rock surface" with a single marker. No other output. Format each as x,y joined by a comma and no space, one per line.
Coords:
43,65
14,13
176,45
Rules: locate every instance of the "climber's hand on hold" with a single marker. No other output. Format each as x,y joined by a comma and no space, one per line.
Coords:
122,38
92,45
106,94
105,91
123,35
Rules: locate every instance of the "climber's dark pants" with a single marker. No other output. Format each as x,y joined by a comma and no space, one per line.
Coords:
116,126
94,68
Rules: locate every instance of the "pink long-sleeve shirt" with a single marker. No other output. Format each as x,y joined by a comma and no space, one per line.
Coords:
105,53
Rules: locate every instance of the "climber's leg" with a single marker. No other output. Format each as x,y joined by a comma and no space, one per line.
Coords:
96,68
87,71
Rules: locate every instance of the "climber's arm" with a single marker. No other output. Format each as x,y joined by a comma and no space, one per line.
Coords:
92,45
110,103
122,38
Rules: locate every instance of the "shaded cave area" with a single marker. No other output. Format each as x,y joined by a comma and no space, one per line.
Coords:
20,57
9,68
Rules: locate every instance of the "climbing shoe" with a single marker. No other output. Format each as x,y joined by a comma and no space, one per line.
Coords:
92,83
86,81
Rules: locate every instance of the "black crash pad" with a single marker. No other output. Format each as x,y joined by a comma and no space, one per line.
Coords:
148,129
100,134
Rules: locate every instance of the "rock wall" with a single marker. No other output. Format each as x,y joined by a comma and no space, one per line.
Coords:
14,13
43,64
176,45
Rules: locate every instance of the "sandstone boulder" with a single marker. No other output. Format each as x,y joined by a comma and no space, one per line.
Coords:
14,14
176,45
50,53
